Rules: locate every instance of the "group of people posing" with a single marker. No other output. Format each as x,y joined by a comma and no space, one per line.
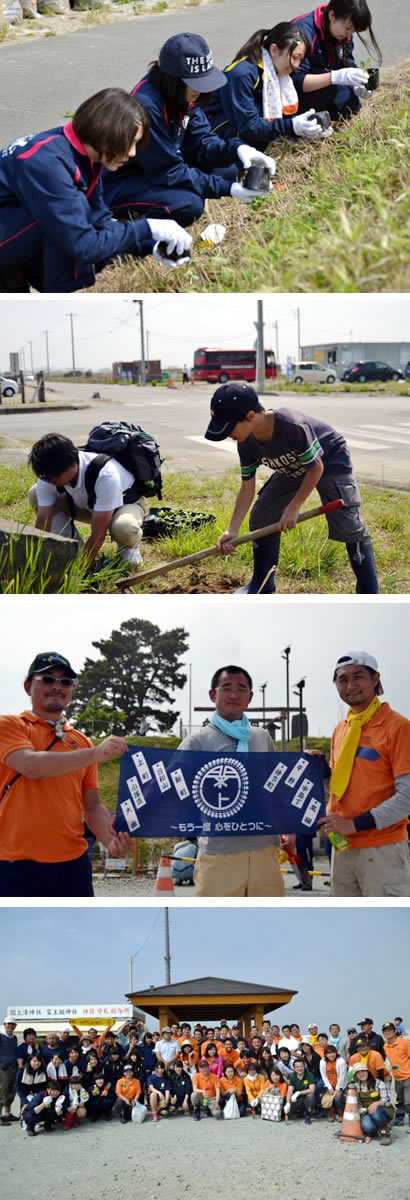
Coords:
275,1074
49,789
128,173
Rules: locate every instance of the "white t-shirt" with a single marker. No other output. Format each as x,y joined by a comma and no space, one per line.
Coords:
167,1050
113,480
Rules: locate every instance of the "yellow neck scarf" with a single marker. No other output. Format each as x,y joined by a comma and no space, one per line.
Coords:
343,767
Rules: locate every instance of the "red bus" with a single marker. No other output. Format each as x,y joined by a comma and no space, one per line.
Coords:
218,366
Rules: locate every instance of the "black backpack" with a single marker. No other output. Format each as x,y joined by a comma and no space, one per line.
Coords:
133,449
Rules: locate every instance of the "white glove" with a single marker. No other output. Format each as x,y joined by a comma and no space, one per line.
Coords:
47,1101
349,75
294,1097
171,233
362,92
169,262
60,1104
239,192
250,157
304,127
287,1108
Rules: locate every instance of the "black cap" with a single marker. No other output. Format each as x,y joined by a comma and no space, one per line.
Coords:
361,1041
230,403
389,1025
188,57
47,660
352,1029
365,1021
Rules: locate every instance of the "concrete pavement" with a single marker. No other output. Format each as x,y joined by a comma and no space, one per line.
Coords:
376,427
40,80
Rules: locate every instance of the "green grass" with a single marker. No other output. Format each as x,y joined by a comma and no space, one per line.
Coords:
338,220
309,562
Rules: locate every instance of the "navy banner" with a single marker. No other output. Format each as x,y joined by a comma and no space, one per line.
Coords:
166,793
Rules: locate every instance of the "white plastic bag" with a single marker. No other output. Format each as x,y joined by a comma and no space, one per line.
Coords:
231,1110
139,1112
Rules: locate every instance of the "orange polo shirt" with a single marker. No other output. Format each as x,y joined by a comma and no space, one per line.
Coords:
128,1089
42,819
226,1084
282,1088
373,1060
398,1055
208,1085
229,1057
382,754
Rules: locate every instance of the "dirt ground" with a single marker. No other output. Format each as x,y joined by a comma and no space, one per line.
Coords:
137,885
175,1158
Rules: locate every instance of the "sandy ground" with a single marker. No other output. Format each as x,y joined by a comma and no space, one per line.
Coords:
128,885
176,1158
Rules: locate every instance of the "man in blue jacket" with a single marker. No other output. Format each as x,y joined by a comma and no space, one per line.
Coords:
8,1068
54,224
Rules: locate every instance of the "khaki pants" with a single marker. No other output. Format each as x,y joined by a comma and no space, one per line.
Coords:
378,871
125,525
251,873
197,1101
7,1086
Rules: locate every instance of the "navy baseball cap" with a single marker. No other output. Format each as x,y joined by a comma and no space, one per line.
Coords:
230,403
45,661
188,57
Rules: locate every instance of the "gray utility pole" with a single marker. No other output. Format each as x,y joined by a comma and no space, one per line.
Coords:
47,331
298,689
262,689
286,655
31,357
260,353
167,954
143,378
71,316
276,328
299,345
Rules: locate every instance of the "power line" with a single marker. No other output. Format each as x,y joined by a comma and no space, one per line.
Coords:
137,952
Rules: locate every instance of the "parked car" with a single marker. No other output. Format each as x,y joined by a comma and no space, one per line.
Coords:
407,371
365,372
349,368
9,387
313,372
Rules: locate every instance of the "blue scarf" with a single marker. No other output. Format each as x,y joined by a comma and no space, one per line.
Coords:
240,730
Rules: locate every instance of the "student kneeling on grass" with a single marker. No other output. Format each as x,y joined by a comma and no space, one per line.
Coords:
305,453
300,1097
54,223
61,495
183,163
260,102
328,78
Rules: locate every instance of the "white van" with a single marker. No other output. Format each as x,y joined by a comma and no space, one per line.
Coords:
313,372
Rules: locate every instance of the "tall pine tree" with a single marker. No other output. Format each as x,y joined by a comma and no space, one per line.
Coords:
138,671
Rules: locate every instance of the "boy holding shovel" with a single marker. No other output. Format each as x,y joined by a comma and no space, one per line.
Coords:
304,453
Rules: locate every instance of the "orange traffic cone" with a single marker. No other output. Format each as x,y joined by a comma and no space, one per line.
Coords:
351,1130
163,882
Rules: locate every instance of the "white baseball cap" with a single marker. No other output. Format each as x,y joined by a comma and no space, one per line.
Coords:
358,658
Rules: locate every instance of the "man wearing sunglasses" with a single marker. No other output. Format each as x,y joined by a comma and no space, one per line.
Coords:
49,788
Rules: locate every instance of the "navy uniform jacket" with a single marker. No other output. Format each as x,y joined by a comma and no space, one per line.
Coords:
324,56
51,176
179,154
236,109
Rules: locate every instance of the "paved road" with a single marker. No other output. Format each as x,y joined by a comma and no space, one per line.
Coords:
377,428
41,79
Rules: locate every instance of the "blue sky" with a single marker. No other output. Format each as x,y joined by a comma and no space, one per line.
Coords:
345,963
